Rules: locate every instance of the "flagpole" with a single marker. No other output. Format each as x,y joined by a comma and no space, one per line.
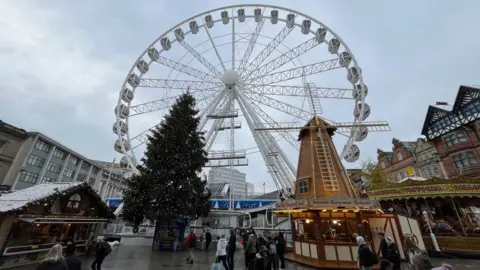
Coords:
108,180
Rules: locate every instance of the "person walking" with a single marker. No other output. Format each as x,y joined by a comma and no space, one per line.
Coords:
281,245
250,250
190,244
208,239
272,254
53,260
366,258
103,249
222,251
260,262
73,262
202,239
392,253
231,248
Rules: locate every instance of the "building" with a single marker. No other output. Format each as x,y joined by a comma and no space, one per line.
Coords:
112,181
219,175
455,133
250,189
428,162
400,162
41,159
11,142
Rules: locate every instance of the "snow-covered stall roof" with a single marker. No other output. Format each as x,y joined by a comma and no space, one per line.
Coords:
20,198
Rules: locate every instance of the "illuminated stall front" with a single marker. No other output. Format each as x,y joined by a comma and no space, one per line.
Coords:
35,219
326,216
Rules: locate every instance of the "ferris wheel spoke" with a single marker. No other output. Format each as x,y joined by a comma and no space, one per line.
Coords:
289,90
272,123
294,73
271,47
214,47
200,58
179,84
186,69
166,103
278,105
283,59
251,45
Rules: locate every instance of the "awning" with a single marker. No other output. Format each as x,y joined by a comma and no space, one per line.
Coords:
113,202
64,220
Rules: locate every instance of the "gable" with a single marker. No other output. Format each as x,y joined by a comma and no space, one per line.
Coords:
465,95
433,114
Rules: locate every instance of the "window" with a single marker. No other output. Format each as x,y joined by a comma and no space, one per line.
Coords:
52,167
36,161
403,174
42,146
73,160
399,156
68,172
436,171
455,138
2,145
85,166
74,201
59,154
81,177
28,177
95,170
46,179
91,182
465,159
303,186
383,165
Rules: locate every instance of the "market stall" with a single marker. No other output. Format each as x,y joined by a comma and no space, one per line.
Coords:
33,220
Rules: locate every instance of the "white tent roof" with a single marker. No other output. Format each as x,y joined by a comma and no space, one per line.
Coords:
20,198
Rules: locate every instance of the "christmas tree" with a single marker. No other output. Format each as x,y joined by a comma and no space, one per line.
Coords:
169,184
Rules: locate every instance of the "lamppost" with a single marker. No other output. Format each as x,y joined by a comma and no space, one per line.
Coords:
432,235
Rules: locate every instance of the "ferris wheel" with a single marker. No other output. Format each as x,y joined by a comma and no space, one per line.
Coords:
258,65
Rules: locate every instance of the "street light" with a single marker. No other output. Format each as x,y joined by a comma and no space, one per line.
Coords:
432,235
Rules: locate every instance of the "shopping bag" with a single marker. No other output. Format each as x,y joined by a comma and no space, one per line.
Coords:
216,266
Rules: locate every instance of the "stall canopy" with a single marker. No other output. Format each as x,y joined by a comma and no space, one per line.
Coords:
18,201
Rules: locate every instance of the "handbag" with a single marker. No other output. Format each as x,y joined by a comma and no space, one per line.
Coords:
216,266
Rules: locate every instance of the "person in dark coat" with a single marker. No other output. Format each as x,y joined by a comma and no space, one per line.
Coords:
261,260
103,249
231,248
383,245
73,262
386,265
392,253
366,258
281,247
53,260
208,239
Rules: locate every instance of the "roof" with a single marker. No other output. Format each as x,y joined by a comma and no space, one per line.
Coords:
217,188
407,145
322,122
465,95
20,198
13,130
25,197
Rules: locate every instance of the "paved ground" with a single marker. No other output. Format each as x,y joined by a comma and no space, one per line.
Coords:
142,258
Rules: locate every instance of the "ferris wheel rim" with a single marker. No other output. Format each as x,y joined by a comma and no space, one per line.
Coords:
130,154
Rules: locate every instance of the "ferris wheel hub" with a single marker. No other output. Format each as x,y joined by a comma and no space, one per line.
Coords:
230,77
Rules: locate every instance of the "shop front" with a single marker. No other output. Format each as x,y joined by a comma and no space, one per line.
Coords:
35,219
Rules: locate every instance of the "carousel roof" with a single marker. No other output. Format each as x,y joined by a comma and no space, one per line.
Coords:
428,188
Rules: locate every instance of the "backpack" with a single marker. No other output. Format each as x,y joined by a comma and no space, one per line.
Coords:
107,247
193,241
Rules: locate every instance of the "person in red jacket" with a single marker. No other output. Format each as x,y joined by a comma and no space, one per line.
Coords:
190,244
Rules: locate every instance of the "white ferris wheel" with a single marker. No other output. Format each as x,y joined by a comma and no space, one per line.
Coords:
263,66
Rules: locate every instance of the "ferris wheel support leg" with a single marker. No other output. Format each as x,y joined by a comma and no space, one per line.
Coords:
267,141
209,108
262,142
272,166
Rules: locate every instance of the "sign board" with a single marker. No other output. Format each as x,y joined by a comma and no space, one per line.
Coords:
410,171
334,202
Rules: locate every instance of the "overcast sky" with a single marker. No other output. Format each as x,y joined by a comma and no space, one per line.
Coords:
63,62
